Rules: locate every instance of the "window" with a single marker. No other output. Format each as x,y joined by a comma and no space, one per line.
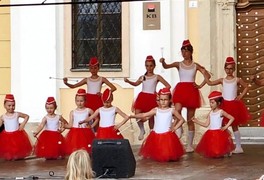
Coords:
96,31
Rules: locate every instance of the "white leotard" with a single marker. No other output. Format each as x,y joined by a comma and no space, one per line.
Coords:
11,122
52,123
94,85
107,116
80,116
215,120
163,120
149,84
187,73
229,91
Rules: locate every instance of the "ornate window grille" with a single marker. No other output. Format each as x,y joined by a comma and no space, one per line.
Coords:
96,31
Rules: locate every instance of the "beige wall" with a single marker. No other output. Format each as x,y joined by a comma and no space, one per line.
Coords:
5,52
192,30
194,34
210,27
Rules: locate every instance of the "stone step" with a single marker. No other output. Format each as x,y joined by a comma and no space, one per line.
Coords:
252,135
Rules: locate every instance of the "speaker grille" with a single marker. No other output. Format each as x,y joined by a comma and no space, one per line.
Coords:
113,158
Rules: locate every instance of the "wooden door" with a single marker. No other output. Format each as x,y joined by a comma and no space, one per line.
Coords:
250,54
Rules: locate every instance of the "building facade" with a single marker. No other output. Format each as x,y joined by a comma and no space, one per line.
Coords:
37,47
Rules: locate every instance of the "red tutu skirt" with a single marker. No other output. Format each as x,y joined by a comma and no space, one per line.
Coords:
187,95
215,143
50,145
162,147
14,145
93,101
108,133
238,110
79,138
145,101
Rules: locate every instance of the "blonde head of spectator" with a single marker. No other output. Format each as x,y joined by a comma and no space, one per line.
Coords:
79,166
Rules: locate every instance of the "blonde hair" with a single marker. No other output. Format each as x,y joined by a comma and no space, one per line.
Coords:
79,166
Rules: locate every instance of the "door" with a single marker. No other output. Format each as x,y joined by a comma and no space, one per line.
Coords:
250,54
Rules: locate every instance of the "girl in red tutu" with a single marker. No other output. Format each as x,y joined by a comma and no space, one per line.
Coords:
94,85
107,128
216,141
186,93
162,144
80,136
14,141
259,82
146,99
232,103
50,144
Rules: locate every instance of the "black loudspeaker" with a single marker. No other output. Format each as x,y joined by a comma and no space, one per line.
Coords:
113,158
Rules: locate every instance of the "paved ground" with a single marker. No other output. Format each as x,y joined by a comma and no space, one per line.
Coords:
247,166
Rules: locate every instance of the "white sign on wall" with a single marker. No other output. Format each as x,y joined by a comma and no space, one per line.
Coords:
193,4
151,15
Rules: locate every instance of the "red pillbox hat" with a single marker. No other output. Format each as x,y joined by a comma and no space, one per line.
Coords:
93,61
81,92
230,60
186,43
50,100
164,91
106,95
214,95
10,98
149,58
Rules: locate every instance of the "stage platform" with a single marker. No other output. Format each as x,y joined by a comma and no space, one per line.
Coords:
247,166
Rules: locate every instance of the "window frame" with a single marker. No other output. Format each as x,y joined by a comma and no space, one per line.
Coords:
69,72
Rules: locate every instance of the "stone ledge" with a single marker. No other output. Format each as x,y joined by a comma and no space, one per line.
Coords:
252,135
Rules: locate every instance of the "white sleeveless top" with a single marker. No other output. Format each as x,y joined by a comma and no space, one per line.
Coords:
215,120
149,84
163,120
80,116
11,122
229,89
107,116
187,73
94,85
52,123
